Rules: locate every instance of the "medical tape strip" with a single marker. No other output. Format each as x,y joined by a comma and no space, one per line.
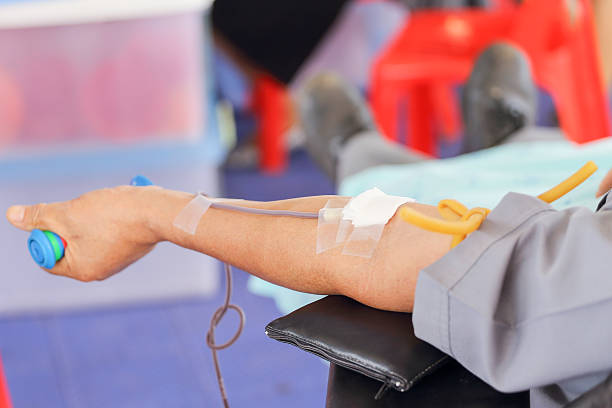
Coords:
329,220
189,217
345,228
363,240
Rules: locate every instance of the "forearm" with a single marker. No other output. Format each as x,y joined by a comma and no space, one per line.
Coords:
282,250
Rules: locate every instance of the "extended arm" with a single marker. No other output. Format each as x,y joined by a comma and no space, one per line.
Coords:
108,229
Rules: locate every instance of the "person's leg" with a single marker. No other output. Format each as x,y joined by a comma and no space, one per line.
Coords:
499,99
341,136
370,149
535,134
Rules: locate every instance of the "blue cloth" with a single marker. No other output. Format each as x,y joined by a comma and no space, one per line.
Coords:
286,300
482,178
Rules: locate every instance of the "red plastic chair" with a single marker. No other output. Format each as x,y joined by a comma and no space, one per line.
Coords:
437,49
5,400
272,108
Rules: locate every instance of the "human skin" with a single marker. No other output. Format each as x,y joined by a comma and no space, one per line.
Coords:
605,185
107,230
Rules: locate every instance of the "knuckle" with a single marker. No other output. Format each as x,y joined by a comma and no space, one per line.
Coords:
36,213
75,204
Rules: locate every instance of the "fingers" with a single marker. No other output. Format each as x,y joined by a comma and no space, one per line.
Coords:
605,185
63,268
29,217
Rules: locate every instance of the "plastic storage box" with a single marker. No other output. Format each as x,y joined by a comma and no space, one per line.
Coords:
91,94
82,74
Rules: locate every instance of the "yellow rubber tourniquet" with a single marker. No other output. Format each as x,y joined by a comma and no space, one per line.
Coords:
458,221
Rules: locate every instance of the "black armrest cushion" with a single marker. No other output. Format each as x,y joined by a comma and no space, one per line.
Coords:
375,343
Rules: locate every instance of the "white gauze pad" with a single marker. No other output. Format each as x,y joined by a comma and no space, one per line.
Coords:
372,207
367,214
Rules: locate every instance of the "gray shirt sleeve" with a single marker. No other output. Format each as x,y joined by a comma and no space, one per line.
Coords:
526,300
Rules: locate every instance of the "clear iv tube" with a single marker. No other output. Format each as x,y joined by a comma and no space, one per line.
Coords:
259,211
214,321
220,312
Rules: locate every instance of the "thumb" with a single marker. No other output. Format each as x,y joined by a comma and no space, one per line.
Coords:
25,217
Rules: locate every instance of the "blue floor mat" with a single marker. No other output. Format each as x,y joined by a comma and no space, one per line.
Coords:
154,356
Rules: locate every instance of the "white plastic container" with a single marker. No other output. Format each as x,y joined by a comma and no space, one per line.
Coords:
91,94
84,73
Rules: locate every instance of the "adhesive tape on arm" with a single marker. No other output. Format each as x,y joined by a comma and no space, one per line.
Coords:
189,217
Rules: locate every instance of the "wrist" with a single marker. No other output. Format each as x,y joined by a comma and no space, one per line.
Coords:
162,208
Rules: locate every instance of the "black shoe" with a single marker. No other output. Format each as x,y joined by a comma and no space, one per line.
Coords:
331,112
499,97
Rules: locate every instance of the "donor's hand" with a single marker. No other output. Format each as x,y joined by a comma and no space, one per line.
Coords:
105,230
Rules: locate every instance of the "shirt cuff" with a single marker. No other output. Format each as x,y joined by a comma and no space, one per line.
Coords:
432,311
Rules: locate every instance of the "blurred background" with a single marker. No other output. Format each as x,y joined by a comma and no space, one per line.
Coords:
198,95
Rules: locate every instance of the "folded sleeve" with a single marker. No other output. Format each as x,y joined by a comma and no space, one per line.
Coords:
526,300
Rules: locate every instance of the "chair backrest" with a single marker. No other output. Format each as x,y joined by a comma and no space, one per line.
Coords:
566,62
441,46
